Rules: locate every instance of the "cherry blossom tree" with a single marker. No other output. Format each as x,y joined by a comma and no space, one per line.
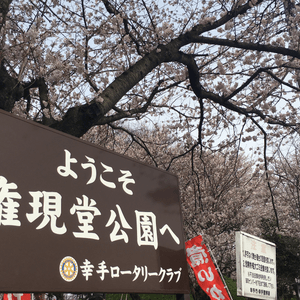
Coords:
207,75
223,192
220,192
286,186
214,72
213,68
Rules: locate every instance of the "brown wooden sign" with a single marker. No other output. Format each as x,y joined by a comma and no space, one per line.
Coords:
75,217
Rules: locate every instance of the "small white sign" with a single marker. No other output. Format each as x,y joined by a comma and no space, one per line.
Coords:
256,267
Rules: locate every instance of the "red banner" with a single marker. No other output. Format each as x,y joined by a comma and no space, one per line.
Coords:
205,271
17,296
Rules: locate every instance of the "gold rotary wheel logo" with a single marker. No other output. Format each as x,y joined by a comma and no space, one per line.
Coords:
68,268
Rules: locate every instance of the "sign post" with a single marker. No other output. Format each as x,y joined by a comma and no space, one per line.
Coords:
256,267
76,218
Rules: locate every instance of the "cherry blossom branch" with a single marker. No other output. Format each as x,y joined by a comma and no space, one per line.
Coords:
267,172
246,45
114,11
137,140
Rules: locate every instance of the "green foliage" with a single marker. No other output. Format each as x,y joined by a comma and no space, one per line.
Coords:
287,258
231,284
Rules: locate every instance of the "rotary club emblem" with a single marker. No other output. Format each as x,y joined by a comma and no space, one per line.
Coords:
68,268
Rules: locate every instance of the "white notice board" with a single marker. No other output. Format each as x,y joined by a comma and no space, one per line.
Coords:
256,267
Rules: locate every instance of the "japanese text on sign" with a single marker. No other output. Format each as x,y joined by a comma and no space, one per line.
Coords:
256,267
207,276
63,197
69,271
48,206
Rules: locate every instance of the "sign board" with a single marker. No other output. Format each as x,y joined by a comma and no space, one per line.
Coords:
256,267
77,218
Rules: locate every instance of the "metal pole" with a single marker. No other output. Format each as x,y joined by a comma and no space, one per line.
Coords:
218,269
